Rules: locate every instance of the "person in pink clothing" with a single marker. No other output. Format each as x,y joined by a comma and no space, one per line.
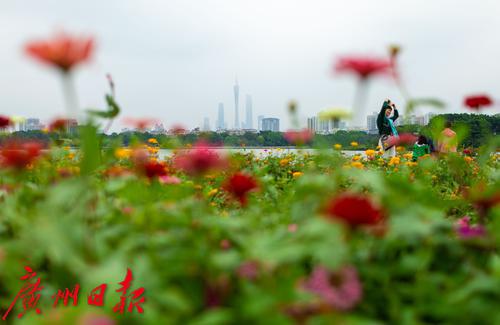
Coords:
448,139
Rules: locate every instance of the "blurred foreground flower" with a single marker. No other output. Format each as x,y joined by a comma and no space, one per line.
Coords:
465,230
199,160
19,153
4,121
63,51
300,137
140,124
477,102
339,290
239,185
401,140
334,114
363,67
354,209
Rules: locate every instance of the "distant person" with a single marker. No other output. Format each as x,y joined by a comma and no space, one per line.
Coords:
421,148
447,141
386,127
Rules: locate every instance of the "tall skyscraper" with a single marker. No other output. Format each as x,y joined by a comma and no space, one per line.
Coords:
270,124
259,122
220,125
371,122
249,116
236,90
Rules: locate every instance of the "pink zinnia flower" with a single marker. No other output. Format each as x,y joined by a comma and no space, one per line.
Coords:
199,160
299,137
340,290
364,67
167,179
62,51
402,139
248,270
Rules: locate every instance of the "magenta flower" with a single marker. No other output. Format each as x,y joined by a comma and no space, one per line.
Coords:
466,231
199,160
340,290
248,270
299,137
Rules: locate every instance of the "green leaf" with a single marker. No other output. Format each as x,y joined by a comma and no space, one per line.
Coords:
90,149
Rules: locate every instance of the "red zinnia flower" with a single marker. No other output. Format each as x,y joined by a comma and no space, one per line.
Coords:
177,129
62,51
199,160
61,124
299,137
239,185
140,123
354,209
476,102
19,154
364,67
4,122
154,169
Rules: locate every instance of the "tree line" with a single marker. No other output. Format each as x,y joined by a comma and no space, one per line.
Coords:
475,130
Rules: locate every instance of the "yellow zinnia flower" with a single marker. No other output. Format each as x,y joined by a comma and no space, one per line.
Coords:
354,144
337,146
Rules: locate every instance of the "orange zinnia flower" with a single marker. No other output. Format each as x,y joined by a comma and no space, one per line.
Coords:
62,51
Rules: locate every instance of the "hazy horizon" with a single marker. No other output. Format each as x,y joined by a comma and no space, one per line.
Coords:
177,60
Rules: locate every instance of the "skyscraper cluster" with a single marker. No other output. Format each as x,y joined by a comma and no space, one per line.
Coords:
247,123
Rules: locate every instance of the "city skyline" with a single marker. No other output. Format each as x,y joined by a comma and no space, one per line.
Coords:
190,49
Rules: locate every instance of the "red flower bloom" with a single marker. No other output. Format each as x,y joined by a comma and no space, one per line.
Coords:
299,137
354,209
477,102
139,123
62,124
177,129
63,51
402,139
19,154
4,122
364,67
153,169
239,185
199,160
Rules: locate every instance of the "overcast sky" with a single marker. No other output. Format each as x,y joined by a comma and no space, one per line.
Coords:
175,60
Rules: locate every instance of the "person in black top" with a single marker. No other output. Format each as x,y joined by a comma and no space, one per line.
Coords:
385,125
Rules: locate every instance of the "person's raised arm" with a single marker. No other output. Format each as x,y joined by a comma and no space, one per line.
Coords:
396,114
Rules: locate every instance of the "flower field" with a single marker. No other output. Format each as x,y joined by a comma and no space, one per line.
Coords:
282,238
205,238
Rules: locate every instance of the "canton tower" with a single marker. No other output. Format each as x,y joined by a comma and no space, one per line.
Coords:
236,90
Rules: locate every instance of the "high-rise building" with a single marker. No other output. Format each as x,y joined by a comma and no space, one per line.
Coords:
371,122
32,124
312,124
220,125
236,90
428,117
206,124
270,124
259,122
249,116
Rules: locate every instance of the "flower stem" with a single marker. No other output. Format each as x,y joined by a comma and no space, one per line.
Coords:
359,102
70,97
